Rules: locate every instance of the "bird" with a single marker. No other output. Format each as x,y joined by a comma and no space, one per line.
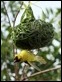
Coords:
28,57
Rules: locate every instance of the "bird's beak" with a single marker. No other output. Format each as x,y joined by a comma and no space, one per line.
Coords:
15,60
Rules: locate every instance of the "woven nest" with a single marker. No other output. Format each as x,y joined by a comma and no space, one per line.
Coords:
33,34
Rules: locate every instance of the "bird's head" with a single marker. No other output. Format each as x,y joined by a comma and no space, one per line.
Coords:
17,58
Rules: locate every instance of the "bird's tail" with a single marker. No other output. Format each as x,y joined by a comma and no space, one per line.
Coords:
40,59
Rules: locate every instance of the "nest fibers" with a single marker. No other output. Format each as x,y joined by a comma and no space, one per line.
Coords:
33,34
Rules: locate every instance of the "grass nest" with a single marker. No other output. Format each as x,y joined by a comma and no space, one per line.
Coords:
33,34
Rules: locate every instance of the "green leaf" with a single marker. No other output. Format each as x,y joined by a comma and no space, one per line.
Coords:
51,10
27,15
47,10
58,11
43,15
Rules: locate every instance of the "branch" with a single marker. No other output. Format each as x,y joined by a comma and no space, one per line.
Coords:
17,14
16,67
6,12
23,72
36,5
41,72
15,17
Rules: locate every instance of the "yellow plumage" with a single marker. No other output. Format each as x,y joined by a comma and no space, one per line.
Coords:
27,56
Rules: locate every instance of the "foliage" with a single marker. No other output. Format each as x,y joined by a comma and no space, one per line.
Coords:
51,53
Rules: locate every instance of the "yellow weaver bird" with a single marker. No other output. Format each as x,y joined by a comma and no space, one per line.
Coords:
28,57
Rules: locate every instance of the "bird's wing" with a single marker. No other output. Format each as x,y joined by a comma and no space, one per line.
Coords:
34,66
40,59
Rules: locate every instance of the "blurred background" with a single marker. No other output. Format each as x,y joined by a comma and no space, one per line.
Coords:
49,11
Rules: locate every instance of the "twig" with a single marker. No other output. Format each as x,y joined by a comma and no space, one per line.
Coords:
29,2
17,15
23,72
6,12
41,72
36,5
16,67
